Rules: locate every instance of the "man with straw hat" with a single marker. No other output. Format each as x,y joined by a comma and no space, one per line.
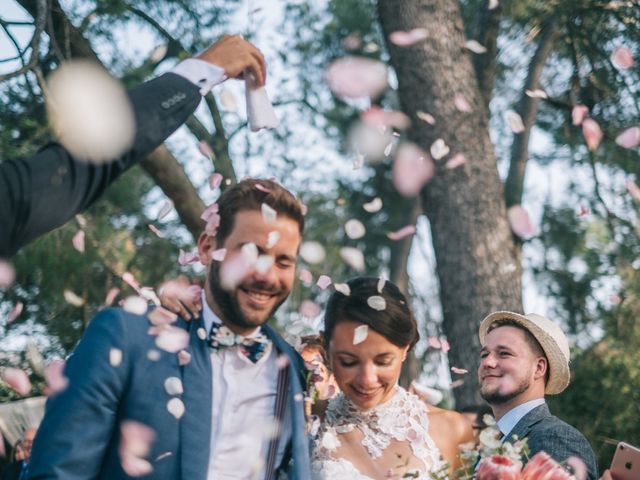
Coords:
524,357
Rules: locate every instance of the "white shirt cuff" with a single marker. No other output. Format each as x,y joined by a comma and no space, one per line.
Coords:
203,74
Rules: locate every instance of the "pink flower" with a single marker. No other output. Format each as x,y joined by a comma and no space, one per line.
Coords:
498,467
543,467
592,133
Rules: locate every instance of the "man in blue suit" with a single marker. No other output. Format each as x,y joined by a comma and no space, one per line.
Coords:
223,394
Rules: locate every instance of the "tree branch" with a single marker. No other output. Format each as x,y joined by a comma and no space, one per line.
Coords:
40,16
486,32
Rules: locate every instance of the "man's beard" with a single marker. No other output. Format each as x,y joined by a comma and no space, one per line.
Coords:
230,310
497,398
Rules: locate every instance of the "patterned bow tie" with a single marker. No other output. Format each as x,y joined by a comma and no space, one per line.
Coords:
253,348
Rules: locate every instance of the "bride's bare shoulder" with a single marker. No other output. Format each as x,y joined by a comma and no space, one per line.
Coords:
449,422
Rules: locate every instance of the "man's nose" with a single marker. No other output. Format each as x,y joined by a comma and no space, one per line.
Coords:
266,274
488,361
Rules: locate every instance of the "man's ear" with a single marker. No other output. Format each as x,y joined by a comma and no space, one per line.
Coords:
542,365
206,246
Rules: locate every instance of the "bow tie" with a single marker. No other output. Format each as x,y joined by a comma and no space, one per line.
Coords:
253,348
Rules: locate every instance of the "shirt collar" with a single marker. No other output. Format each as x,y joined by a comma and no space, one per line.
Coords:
513,416
209,317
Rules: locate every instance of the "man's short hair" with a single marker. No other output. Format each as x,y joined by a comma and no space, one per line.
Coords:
250,194
533,343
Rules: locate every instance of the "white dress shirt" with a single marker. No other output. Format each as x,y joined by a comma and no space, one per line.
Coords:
203,74
242,407
513,416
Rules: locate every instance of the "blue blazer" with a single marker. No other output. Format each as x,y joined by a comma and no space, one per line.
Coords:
80,433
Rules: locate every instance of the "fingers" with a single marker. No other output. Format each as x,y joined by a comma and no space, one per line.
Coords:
180,297
235,55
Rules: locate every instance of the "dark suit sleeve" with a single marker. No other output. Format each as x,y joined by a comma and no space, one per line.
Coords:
41,192
81,421
562,442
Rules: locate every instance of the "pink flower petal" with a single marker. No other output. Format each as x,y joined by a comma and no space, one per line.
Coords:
514,120
592,133
262,188
456,161
426,117
630,138
186,258
462,104
578,114
78,241
7,274
445,346
130,280
309,309
135,444
633,190
54,377
403,232
235,269
323,282
406,39
356,77
305,276
520,222
622,58
219,254
459,371
167,206
155,230
135,304
161,316
172,339
412,168
184,357
206,150
215,180
15,312
111,296
434,342
17,380
73,298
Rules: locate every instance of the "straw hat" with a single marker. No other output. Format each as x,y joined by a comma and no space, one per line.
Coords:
551,339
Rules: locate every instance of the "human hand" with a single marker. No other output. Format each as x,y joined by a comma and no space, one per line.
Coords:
235,55
181,297
606,475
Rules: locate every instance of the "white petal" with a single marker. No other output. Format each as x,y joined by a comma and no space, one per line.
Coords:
373,206
381,283
353,257
360,334
376,302
73,299
514,120
312,252
439,149
176,407
354,229
269,215
136,305
343,288
173,386
475,46
272,238
115,357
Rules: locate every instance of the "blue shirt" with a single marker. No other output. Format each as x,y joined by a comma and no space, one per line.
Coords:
513,416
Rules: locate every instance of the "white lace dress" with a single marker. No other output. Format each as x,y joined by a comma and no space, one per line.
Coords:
399,422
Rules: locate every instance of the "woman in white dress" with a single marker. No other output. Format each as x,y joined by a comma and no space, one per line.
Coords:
375,429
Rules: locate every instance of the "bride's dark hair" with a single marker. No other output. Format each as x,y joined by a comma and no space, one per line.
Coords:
395,321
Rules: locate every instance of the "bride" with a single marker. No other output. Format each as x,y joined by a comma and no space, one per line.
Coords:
375,429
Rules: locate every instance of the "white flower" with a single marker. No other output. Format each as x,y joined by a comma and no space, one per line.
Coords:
330,439
490,438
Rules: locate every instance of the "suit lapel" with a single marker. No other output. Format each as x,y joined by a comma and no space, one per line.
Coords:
195,428
522,428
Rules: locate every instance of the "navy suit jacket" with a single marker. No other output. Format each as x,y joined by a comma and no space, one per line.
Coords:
43,191
79,435
560,440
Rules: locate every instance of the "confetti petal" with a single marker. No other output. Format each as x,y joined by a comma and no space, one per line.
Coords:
215,181
172,339
592,133
7,274
514,120
354,229
373,206
15,312
493,4
537,93
360,334
186,258
136,305
78,241
356,77
309,309
269,215
475,47
90,111
633,190
219,255
305,276
381,283
520,222
434,342
206,150
312,252
272,239
115,357
462,104
406,39
402,233
630,138
161,316
166,207
378,117
369,141
135,444
323,282
173,386
459,371
343,288
17,380
439,149
622,58
158,53
353,257
426,117
54,377
156,230
377,302
130,280
578,114
184,357
456,161
73,299
228,100
412,168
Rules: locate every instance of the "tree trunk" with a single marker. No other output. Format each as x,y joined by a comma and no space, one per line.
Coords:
476,263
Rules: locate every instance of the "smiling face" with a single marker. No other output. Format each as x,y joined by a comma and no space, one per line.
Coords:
252,302
510,372
367,373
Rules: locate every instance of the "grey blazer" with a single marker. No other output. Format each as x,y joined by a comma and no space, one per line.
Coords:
559,439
